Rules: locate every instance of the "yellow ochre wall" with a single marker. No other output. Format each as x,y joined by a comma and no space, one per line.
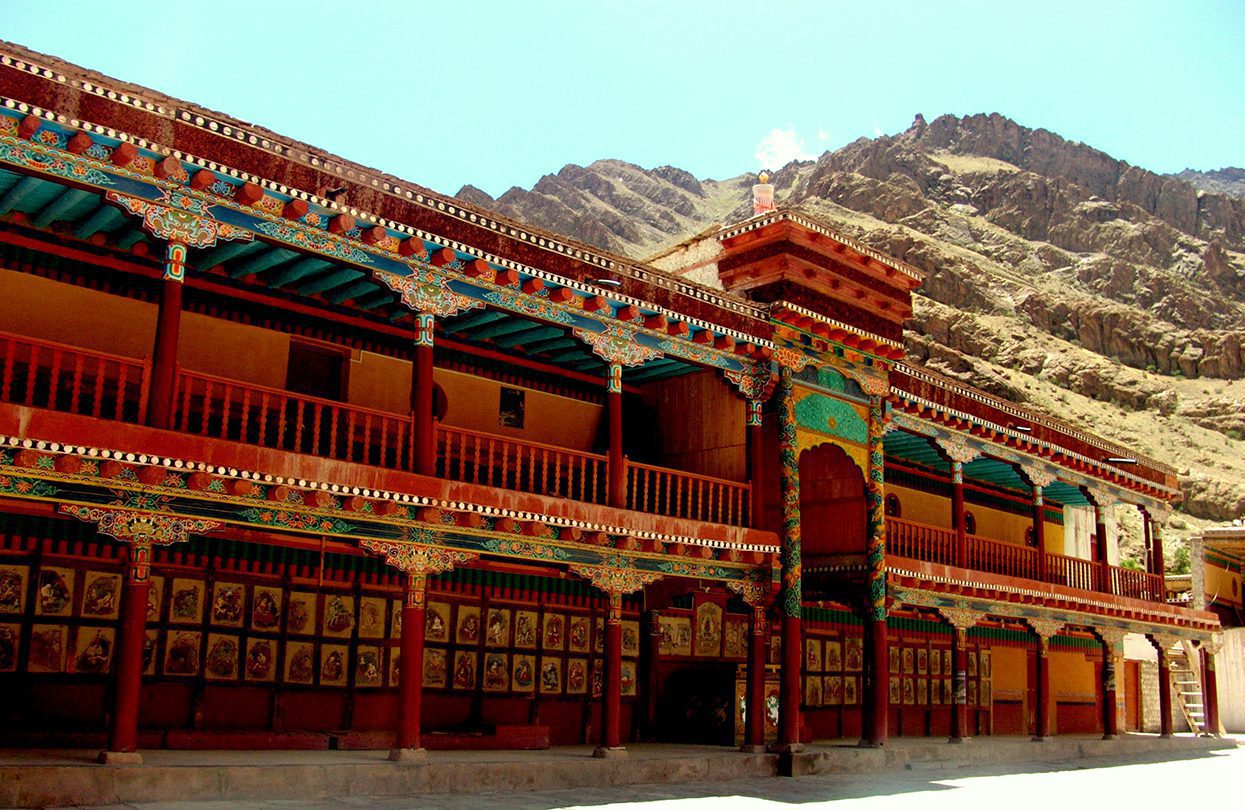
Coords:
930,509
1219,585
1009,672
76,316
700,424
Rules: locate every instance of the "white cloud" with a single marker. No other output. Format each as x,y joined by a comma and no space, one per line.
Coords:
822,135
877,130
781,146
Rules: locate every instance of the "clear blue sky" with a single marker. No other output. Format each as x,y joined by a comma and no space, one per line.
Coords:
497,94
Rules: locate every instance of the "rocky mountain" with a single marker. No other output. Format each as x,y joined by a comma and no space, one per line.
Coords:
1057,275
1229,181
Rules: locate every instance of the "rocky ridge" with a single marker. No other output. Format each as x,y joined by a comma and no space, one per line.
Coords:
1057,275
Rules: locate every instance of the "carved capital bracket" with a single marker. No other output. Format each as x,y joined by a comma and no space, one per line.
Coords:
1111,636
1163,642
1101,497
755,382
427,292
617,344
958,449
141,530
417,560
183,221
617,576
1045,629
756,591
961,618
1038,476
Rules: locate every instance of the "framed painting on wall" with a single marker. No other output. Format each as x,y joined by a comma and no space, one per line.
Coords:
300,662
368,667
893,659
464,675
333,659
627,679
578,634
10,645
550,676
894,690
497,629
812,691
221,662
576,676
181,653
708,629
853,654
834,656
496,672
524,679
101,595
372,617
228,599
525,629
676,635
909,661
935,661
155,598
833,690
92,650
972,664
150,640
735,637
13,588
467,630
266,609
436,623
395,619
554,636
338,616
55,592
186,601
436,669
261,660
922,661
47,648
851,693
301,614
630,639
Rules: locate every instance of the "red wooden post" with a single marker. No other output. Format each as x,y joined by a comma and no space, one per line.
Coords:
617,464
611,696
1043,690
754,719
653,654
790,696
123,735
1039,533
408,745
756,464
424,436
877,725
957,514
164,353
959,707
1165,691
1110,712
1210,691
1160,565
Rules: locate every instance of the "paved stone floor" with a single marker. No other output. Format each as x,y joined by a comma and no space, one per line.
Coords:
1167,779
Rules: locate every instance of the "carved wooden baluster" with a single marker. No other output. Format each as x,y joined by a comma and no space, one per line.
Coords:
118,411
31,366
75,382
315,428
6,382
54,377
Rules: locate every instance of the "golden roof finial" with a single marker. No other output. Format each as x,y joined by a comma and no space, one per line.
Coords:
763,177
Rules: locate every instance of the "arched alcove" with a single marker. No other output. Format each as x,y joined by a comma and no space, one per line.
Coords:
833,507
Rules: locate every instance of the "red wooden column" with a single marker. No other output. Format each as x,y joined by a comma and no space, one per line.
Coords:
756,464
1210,690
961,622
1161,647
876,719
168,329
1147,538
1156,547
408,745
754,719
957,514
876,704
1100,501
617,463
424,431
1045,630
649,675
123,734
1039,531
611,696
1110,708
792,592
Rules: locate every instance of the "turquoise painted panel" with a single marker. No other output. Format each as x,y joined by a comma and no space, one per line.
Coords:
831,417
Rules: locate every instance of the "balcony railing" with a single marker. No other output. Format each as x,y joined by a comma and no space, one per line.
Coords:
47,375
918,541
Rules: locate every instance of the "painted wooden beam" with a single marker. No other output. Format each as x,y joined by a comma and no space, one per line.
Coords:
471,320
562,342
330,280
226,252
62,205
493,330
351,291
297,271
262,262
130,238
375,299
536,333
101,219
13,197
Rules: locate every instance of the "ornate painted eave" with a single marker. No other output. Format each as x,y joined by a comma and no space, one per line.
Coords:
820,327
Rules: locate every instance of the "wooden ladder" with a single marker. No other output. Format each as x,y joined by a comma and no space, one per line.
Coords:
1187,685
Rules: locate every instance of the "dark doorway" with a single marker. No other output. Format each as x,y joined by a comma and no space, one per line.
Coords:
696,704
317,370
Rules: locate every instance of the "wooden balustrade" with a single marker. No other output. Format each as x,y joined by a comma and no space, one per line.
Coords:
675,493
917,541
1072,571
49,375
999,557
270,417
1137,584
497,461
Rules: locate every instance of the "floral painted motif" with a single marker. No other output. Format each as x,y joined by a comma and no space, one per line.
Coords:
414,559
524,548
755,382
617,344
179,217
616,576
536,306
43,159
140,527
296,520
314,241
427,291
875,554
789,460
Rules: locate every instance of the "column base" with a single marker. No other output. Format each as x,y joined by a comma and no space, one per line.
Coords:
602,752
870,744
119,758
958,740
1110,736
785,748
754,749
1165,736
410,756
1042,739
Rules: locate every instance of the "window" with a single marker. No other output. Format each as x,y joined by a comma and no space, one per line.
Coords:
317,369
893,507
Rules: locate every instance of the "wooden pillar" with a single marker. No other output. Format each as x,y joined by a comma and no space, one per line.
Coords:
650,675
754,718
959,697
1160,565
957,514
1039,525
424,431
123,733
163,383
1147,539
611,694
408,745
1100,546
1110,711
617,463
1210,691
875,722
1165,690
1043,690
792,593
756,464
